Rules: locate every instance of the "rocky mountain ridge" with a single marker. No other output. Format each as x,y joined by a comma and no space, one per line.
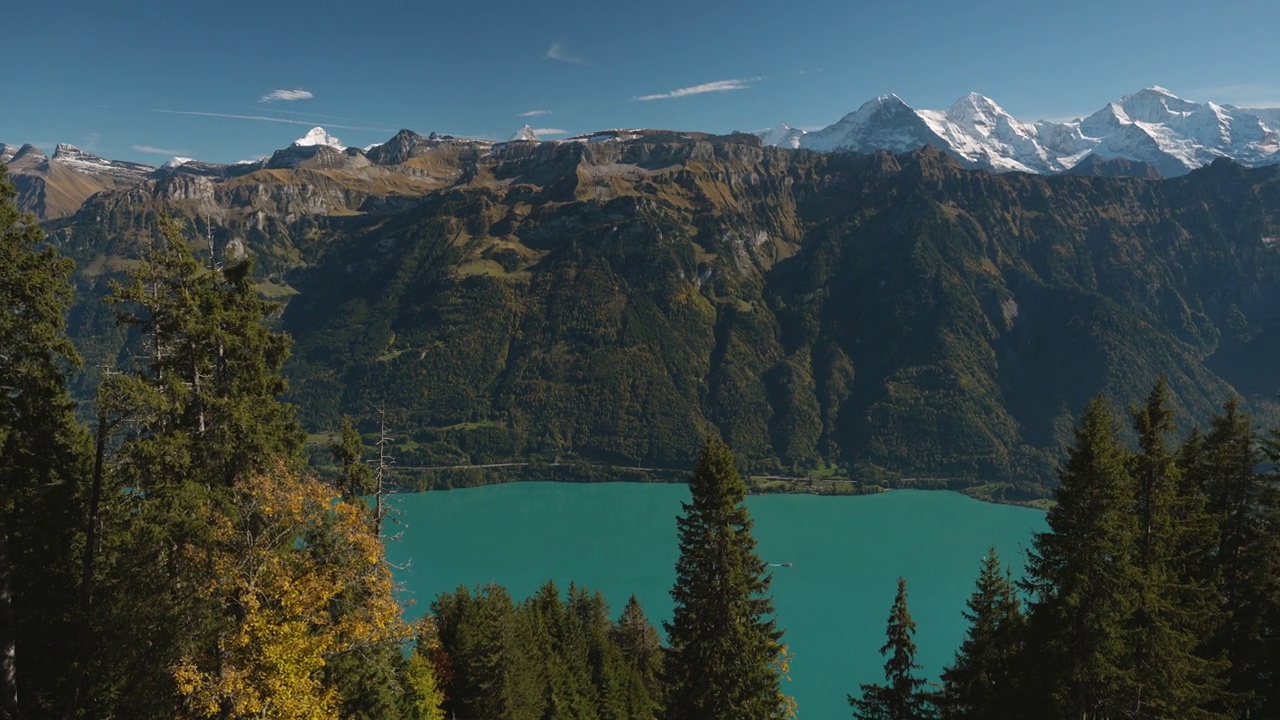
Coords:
57,186
1144,134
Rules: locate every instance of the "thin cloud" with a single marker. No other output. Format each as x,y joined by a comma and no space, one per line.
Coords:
549,131
717,86
153,150
267,118
557,52
534,113
286,95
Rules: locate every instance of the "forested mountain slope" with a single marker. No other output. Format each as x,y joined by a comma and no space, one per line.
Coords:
615,301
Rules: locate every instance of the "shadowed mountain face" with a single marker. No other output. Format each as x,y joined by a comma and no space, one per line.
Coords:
615,301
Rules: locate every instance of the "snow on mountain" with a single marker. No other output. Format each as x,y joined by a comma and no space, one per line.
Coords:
781,136
984,134
73,157
318,136
1152,126
885,123
525,133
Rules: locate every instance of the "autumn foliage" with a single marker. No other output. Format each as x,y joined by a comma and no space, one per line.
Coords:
282,555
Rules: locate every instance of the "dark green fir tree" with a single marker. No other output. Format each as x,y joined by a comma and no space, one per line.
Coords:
1242,499
1171,675
348,450
43,455
902,696
982,683
640,647
726,653
1081,577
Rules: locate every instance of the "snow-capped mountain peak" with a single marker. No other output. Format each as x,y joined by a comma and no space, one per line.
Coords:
525,133
86,162
781,136
318,136
1155,105
976,112
883,123
1152,126
70,154
178,161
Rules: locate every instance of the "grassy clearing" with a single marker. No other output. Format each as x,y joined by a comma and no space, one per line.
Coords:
474,425
274,291
107,265
489,268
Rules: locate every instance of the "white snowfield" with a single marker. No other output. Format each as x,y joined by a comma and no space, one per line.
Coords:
1153,126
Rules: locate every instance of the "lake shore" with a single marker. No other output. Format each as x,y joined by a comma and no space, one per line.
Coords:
450,477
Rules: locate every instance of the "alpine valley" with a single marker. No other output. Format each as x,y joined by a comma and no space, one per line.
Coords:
906,293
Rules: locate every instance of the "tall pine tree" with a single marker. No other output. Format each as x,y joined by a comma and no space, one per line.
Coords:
982,682
1171,676
1246,564
901,697
42,457
725,646
640,646
1081,577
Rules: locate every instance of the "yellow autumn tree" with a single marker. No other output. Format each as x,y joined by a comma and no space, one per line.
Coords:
285,549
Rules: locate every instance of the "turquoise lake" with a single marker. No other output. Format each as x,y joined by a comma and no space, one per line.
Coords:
621,538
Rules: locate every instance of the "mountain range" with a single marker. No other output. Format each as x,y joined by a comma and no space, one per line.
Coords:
616,297
1151,133
1153,126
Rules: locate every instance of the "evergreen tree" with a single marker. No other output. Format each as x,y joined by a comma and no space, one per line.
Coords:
357,477
901,697
640,647
492,657
1246,565
42,456
212,366
544,658
981,683
725,648
1171,676
1081,577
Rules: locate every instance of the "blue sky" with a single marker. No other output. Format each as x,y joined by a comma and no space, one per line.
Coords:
143,81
